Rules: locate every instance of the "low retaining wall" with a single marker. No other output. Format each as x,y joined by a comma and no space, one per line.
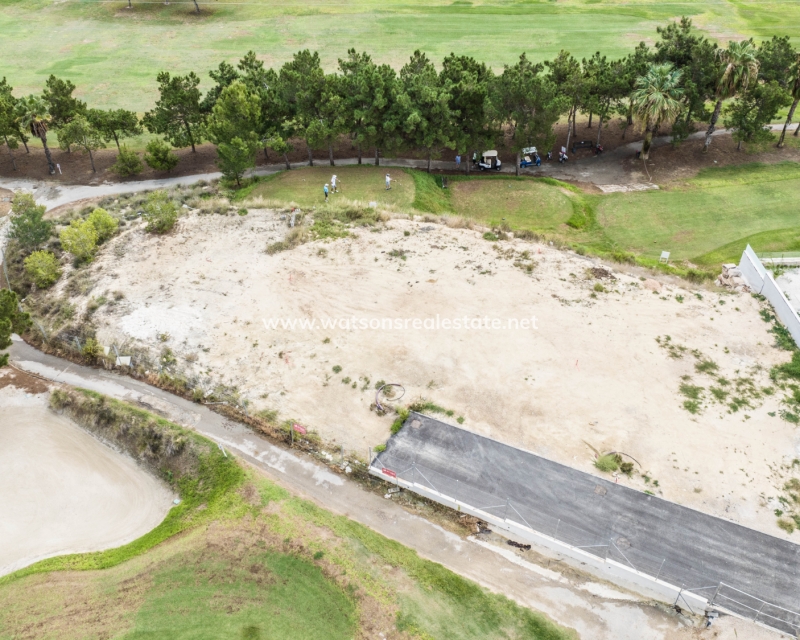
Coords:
605,569
761,281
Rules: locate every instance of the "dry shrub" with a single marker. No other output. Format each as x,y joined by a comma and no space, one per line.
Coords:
458,222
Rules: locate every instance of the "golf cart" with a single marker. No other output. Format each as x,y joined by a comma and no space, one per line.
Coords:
487,160
530,158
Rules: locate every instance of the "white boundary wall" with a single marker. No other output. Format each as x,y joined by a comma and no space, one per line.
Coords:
761,281
603,568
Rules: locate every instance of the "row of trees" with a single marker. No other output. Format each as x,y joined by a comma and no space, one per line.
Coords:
684,80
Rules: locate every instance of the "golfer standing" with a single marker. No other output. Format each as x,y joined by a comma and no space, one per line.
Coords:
333,184
325,189
388,182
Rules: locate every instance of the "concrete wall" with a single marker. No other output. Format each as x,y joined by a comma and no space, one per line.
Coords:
761,281
605,569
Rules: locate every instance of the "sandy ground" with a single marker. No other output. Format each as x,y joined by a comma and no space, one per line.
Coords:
62,491
591,376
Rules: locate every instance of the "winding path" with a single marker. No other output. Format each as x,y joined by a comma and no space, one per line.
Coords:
598,170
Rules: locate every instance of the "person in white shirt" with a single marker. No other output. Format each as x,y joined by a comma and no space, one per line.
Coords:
388,182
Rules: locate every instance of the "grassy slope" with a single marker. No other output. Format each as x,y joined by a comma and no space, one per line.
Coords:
113,53
262,565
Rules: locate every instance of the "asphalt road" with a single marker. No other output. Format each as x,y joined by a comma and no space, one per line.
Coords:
686,547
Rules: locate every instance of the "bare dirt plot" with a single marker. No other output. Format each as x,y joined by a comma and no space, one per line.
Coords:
591,376
62,491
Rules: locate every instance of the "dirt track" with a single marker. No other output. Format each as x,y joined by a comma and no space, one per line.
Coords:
62,491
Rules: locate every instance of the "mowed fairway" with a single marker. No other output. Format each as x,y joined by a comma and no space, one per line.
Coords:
719,208
304,187
521,204
114,53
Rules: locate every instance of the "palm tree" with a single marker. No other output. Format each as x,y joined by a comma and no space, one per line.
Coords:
739,67
655,98
795,91
34,115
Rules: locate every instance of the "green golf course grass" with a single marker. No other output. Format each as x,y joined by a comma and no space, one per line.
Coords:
113,53
710,220
707,221
363,183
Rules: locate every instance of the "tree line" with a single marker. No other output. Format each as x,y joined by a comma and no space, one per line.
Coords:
682,81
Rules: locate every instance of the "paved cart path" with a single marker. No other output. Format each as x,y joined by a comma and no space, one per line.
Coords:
604,170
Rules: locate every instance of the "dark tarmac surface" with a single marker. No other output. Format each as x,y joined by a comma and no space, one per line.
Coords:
681,545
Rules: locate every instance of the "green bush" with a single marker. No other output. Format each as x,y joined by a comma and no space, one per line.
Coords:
28,226
104,223
380,448
160,212
159,156
128,163
608,463
42,268
79,239
92,349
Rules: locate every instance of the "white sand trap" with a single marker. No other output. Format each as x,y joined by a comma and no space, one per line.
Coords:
62,491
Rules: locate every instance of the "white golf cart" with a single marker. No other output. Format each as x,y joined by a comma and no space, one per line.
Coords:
487,160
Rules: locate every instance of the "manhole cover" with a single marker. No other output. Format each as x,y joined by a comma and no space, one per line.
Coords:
416,424
623,543
600,491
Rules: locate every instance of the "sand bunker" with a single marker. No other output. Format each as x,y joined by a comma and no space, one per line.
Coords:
590,376
62,491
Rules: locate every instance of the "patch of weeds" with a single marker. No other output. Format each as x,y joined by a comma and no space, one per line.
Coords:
428,407
379,448
608,463
599,287
491,237
692,406
460,419
398,253
326,341
787,525
691,391
737,402
168,357
402,416
718,393
790,416
675,351
679,298
276,247
346,380
268,415
336,368
704,365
